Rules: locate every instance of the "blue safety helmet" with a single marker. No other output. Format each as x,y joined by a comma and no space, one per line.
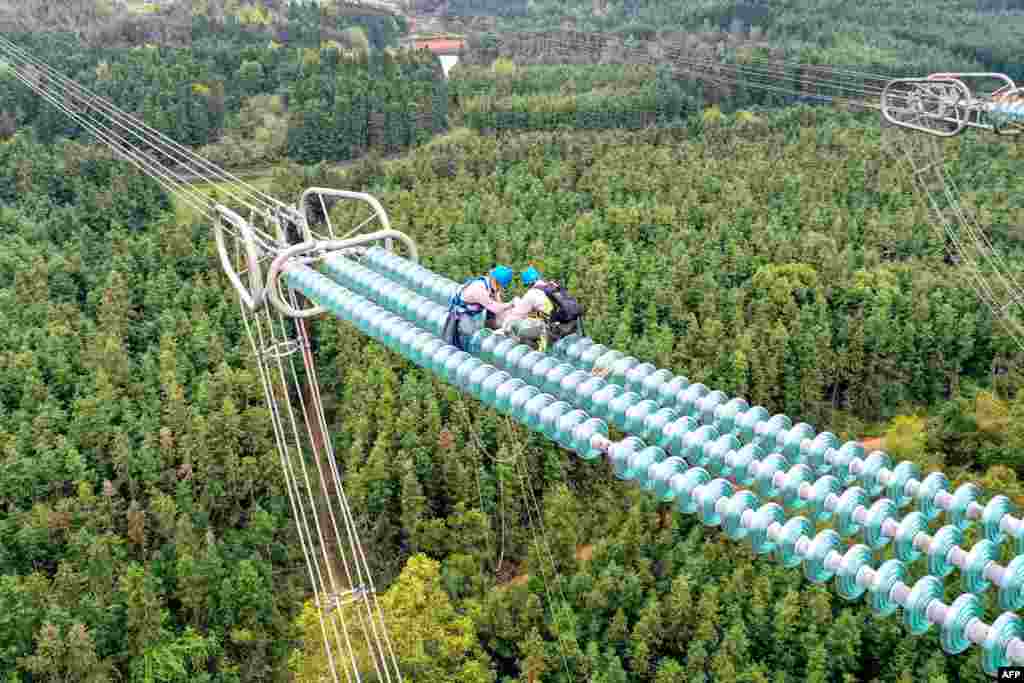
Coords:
529,276
502,275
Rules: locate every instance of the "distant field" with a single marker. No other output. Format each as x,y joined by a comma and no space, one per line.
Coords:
186,213
142,7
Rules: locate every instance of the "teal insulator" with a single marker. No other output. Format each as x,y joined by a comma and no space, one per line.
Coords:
770,466
707,500
881,510
465,371
405,336
747,422
371,322
585,392
414,341
686,400
926,590
707,404
636,415
451,365
441,357
880,591
964,495
636,375
437,320
855,559
790,442
403,333
1004,629
792,532
726,414
590,356
1011,593
661,477
582,438
568,388
619,370
927,491
489,388
896,491
817,451
517,402
766,515
566,425
676,431
574,352
621,452
743,460
965,609
693,444
796,477
560,349
601,402
478,377
938,552
870,471
487,346
655,427
640,462
541,369
740,502
535,407
910,526
501,351
619,405
515,357
842,460
685,485
402,301
715,452
420,309
549,418
767,433
972,576
527,364
419,342
667,392
852,498
816,561
606,362
503,394
427,351
992,518
653,383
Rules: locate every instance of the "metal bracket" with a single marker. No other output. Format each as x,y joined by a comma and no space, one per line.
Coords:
253,296
942,105
258,246
315,250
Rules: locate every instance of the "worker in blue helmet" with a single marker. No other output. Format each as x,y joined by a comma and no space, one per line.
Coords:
544,314
477,304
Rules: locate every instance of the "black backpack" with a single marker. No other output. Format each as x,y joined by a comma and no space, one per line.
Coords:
567,308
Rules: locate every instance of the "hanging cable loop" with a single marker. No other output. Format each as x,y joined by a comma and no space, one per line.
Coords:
253,296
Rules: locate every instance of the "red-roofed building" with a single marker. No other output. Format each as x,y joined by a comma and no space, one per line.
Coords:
440,46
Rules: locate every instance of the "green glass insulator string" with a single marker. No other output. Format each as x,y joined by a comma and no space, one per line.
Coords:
717,503
630,383
651,466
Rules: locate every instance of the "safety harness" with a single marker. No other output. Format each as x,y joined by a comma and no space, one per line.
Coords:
459,309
